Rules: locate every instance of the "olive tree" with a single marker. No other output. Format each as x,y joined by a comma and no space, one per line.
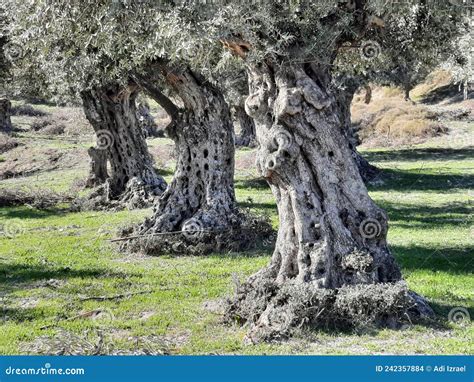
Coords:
331,259
461,66
57,37
411,47
331,264
118,48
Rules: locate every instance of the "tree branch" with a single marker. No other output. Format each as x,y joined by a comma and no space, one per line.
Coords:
158,96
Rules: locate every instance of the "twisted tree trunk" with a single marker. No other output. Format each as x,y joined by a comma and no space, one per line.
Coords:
247,128
5,114
367,171
332,236
98,167
111,111
200,200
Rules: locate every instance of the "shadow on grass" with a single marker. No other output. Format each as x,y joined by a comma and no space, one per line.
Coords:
268,207
19,314
453,260
450,91
24,276
404,180
420,216
164,171
412,155
253,183
21,212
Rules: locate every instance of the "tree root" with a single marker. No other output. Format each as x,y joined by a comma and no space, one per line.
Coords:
136,195
275,312
243,231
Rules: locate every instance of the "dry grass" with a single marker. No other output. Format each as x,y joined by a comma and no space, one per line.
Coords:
68,120
435,80
7,143
388,119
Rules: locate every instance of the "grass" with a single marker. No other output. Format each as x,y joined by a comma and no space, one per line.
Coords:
54,260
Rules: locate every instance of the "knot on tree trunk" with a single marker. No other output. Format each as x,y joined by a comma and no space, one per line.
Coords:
279,148
256,105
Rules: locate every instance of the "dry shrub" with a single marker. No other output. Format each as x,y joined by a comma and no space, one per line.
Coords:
435,80
100,341
35,197
275,312
247,230
48,125
74,120
66,120
389,119
27,110
7,143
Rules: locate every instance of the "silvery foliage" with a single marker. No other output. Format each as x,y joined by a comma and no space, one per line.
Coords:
461,65
410,44
79,43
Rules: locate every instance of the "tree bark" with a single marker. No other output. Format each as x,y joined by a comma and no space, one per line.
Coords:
345,96
331,234
200,200
98,167
368,94
5,114
247,128
406,90
111,110
146,121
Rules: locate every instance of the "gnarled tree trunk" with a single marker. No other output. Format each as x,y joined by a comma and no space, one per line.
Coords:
200,201
133,181
247,128
332,236
5,114
345,96
98,167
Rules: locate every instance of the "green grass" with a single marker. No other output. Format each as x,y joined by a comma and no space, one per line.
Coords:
56,259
